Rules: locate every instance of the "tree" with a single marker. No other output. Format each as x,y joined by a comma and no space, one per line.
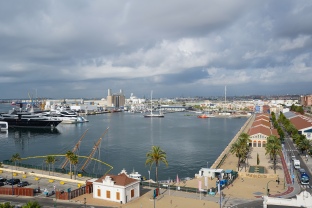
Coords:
241,149
50,160
32,204
304,145
273,148
68,155
156,155
74,160
237,150
16,157
6,205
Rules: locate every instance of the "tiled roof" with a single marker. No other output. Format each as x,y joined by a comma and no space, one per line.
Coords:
119,180
263,115
262,130
301,122
261,122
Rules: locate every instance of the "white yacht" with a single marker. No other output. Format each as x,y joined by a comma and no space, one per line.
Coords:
4,126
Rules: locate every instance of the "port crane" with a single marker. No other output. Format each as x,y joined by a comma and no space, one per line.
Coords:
95,147
76,147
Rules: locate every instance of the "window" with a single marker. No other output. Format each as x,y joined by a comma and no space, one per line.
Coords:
259,143
264,144
117,196
99,192
132,193
108,194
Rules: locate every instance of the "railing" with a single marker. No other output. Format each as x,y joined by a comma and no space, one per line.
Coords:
45,168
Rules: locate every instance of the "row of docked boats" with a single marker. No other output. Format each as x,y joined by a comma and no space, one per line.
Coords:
28,118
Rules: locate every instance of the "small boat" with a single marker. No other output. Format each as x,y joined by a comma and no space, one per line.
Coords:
203,116
134,175
3,125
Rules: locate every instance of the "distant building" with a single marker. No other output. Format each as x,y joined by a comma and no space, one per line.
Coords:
306,100
116,100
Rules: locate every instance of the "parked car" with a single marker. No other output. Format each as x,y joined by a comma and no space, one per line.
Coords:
3,180
2,184
13,181
22,184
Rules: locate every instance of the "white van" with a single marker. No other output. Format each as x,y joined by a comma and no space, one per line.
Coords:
297,164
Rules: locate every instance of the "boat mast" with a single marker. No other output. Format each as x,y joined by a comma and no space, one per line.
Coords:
152,102
96,145
74,149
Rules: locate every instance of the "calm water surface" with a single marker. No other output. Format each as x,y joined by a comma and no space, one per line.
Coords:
188,141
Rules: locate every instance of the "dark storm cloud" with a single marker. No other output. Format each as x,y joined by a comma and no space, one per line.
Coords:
82,48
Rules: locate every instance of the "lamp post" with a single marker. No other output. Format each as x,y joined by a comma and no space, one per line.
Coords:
85,202
149,178
268,186
207,164
12,184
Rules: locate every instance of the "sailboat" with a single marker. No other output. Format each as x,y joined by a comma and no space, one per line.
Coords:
151,115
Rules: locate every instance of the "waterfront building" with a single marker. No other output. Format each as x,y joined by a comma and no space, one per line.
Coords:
260,130
117,188
116,100
302,123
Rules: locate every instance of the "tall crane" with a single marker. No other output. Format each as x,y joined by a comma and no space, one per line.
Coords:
95,147
75,148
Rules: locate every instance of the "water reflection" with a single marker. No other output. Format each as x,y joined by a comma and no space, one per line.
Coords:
22,132
4,134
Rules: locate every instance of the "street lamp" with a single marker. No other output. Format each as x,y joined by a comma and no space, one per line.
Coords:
12,184
149,178
85,202
207,164
268,191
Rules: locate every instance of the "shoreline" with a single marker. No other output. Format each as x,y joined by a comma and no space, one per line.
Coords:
226,151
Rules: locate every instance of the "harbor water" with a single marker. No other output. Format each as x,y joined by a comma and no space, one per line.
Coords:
189,142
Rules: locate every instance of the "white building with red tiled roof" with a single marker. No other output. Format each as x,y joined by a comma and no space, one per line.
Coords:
260,130
117,188
303,124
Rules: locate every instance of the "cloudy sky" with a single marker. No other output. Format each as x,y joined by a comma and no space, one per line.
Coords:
79,49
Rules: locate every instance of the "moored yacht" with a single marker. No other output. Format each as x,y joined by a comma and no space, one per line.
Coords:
26,119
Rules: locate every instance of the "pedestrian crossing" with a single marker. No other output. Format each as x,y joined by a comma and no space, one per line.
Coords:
305,186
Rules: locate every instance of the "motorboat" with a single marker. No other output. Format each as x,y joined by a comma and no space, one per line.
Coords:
27,119
203,116
134,175
4,125
67,117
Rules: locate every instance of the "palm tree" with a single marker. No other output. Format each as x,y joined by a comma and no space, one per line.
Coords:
156,155
241,149
6,205
68,155
237,151
50,160
273,148
16,157
304,145
32,204
74,160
